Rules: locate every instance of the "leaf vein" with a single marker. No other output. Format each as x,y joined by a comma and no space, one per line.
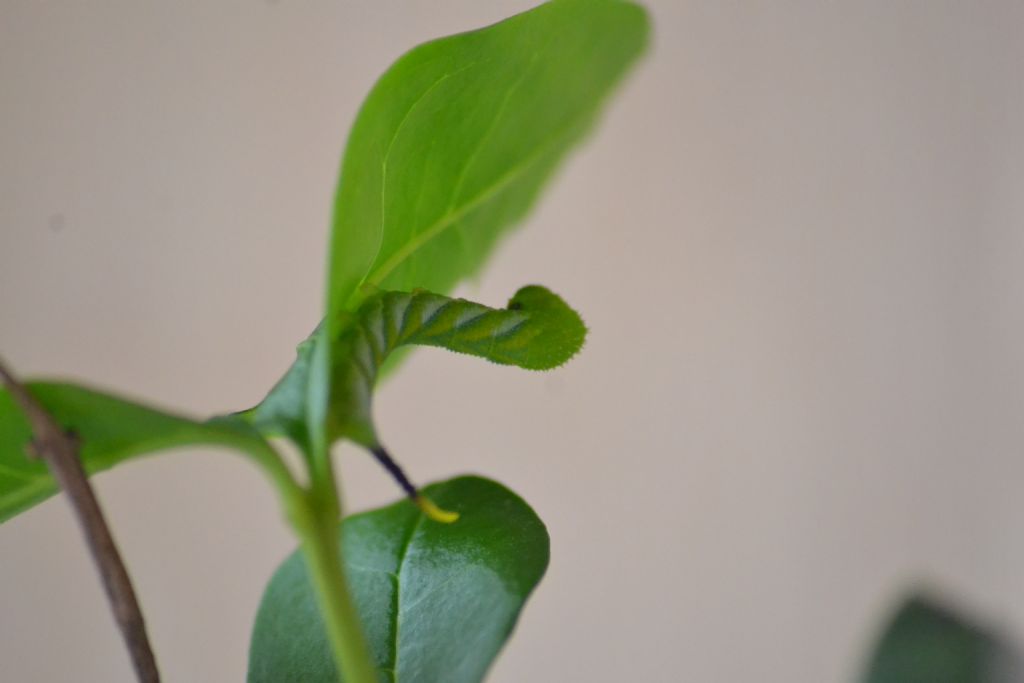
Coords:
406,542
391,143
442,223
20,474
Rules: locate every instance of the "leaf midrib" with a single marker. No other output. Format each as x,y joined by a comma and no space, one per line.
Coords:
441,224
452,215
406,542
391,143
21,474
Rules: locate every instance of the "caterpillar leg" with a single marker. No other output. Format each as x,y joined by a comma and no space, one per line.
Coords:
427,506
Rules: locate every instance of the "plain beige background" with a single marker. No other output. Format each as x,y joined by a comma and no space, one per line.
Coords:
797,239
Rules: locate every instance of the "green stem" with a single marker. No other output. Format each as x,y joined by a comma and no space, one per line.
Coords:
319,540
315,515
316,518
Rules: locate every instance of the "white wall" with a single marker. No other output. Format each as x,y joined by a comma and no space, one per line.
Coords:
798,242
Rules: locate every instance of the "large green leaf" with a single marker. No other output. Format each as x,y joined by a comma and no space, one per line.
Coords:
450,149
110,430
437,600
927,643
456,139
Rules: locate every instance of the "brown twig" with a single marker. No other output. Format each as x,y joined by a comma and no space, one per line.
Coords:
59,449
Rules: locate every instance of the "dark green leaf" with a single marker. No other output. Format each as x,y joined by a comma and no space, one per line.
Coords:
456,139
110,430
437,600
927,643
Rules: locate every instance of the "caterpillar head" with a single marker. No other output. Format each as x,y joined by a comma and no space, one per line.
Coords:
554,332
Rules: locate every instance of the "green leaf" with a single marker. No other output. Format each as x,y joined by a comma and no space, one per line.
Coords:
437,600
927,643
456,139
449,150
110,430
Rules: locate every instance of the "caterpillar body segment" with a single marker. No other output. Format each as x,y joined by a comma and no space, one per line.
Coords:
536,331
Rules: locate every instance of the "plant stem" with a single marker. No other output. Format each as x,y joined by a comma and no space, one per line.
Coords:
316,518
60,451
318,533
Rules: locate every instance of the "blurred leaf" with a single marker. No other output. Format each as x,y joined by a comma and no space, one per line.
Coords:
110,429
456,139
437,600
927,643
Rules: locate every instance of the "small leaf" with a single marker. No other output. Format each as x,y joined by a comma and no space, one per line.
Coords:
457,138
110,430
927,643
437,600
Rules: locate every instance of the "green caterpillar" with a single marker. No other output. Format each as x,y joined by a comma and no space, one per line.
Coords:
536,331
